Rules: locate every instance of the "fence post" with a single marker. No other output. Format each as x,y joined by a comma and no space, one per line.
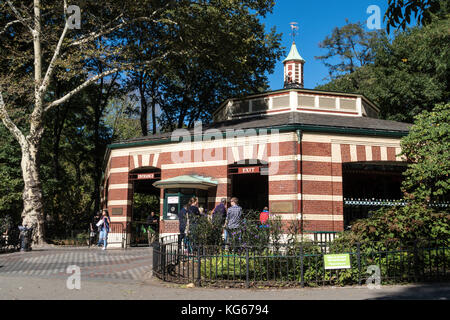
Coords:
358,255
247,276
416,262
163,260
302,277
199,276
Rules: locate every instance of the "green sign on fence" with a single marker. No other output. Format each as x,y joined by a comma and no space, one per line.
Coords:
337,261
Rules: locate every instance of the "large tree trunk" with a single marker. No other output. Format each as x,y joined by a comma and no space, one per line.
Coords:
32,214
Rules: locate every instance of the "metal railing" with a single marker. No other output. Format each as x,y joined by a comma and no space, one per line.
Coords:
9,241
301,264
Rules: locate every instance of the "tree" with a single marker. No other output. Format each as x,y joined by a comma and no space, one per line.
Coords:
408,74
54,56
427,149
426,185
349,48
400,12
227,58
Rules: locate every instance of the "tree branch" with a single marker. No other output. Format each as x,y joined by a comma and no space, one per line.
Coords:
9,123
51,66
94,35
19,16
80,87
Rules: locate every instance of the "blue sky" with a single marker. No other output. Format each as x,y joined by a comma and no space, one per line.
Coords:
316,20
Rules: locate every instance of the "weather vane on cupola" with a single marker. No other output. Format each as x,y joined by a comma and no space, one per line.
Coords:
293,64
294,27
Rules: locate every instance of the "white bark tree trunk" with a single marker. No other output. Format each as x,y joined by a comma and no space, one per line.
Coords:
32,213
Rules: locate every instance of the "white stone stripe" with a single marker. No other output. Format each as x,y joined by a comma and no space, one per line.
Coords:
316,159
279,197
222,180
357,140
119,219
120,186
368,153
336,156
155,160
286,216
292,157
119,170
285,177
383,152
323,217
290,177
194,164
248,152
228,143
146,160
353,154
320,197
119,203
235,151
322,178
398,157
136,162
261,151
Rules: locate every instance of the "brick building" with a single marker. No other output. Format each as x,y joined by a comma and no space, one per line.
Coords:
322,158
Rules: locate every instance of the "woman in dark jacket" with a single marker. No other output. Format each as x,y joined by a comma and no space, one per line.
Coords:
182,218
194,215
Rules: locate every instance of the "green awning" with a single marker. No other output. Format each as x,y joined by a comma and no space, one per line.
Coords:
187,182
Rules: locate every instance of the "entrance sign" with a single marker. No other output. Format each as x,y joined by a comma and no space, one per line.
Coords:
336,261
144,176
246,170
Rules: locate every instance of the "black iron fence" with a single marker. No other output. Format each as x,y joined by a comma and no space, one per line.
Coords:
301,264
9,240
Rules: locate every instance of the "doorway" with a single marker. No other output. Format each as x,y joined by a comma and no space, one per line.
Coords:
146,198
250,185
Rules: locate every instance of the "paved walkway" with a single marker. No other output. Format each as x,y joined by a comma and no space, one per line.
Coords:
125,274
131,265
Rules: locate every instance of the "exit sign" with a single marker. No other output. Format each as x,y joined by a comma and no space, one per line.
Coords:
247,170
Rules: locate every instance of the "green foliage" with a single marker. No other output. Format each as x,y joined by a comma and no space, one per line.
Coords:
427,148
409,73
400,13
11,184
351,45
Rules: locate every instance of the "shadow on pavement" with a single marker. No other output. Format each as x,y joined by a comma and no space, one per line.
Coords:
428,291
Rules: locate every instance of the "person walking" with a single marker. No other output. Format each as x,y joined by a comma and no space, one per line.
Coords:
105,228
233,221
99,228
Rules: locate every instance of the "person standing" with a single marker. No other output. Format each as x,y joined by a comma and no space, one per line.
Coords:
218,218
153,227
193,219
93,229
182,219
220,212
233,221
105,228
264,217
